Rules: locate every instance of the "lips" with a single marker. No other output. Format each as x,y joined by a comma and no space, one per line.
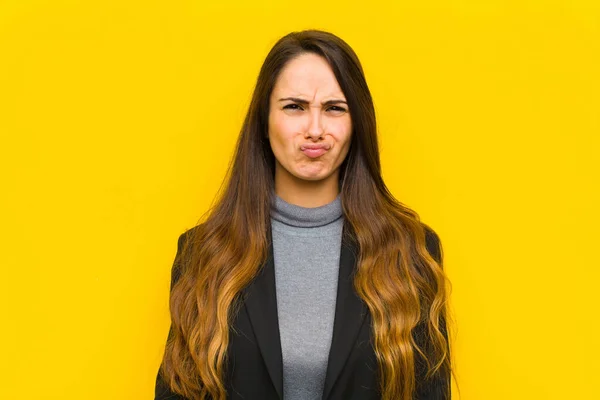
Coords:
314,150
314,153
314,146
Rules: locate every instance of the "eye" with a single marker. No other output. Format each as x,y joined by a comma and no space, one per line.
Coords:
293,106
337,109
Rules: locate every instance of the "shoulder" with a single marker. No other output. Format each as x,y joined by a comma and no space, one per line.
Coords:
433,243
186,236
182,253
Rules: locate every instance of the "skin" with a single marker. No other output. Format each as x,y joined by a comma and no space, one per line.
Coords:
299,179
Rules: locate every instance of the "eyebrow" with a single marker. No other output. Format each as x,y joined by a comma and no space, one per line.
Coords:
302,101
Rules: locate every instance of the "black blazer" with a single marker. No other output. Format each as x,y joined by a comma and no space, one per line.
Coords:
254,370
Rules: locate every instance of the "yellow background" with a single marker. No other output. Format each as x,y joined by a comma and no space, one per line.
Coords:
118,119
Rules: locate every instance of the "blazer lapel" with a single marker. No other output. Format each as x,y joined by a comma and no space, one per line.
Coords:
261,305
350,313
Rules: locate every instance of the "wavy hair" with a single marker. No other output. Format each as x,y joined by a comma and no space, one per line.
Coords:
402,284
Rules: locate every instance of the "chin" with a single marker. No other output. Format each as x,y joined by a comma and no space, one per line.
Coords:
311,177
311,174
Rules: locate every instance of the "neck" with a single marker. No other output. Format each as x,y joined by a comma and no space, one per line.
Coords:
305,217
305,193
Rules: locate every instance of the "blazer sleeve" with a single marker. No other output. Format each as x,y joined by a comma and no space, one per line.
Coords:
162,390
438,387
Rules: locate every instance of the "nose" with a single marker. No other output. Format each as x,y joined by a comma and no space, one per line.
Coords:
315,128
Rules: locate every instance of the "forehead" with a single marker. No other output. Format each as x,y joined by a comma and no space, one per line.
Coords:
309,75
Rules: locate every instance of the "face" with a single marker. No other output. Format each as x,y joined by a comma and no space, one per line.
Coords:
309,120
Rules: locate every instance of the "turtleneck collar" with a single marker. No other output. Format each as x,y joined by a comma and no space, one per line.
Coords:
305,217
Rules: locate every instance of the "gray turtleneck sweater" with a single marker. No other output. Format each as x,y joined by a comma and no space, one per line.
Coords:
306,252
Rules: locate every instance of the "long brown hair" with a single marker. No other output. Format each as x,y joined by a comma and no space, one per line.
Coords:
402,284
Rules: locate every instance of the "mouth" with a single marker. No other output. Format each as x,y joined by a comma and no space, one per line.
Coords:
314,153
314,150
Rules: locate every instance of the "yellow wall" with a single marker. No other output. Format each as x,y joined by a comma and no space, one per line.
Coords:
117,120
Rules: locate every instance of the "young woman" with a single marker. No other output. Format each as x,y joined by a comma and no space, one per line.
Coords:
308,279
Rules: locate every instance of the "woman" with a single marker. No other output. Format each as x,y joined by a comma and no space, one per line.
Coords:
308,280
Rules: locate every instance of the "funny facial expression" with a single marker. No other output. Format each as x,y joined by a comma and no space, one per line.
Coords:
309,121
